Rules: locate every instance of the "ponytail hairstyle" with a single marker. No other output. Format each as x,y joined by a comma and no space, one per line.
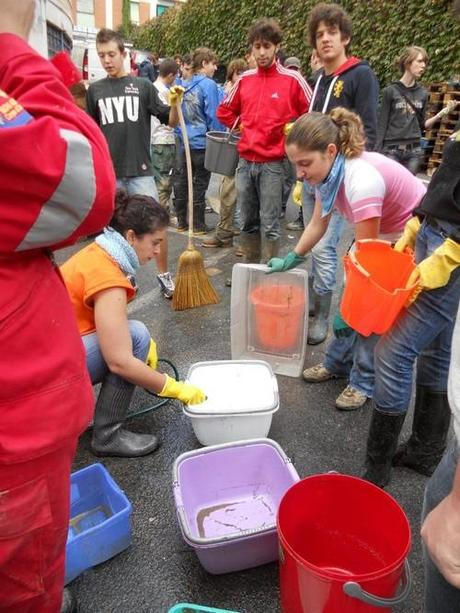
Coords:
315,131
139,213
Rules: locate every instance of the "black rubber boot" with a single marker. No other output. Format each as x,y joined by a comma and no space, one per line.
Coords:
199,225
382,440
270,249
250,246
69,602
427,443
109,437
317,332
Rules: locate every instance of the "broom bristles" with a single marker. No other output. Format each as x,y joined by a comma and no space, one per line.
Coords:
193,287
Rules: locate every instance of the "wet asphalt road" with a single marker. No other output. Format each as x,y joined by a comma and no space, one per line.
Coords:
160,569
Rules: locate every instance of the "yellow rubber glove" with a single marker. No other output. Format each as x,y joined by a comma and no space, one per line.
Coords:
152,356
185,392
175,95
297,193
409,235
435,270
287,127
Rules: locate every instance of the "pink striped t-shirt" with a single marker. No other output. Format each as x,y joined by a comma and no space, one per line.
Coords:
375,186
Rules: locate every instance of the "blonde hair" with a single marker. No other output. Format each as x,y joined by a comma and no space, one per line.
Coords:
409,54
315,131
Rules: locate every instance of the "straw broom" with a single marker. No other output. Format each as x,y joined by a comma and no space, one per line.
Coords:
193,287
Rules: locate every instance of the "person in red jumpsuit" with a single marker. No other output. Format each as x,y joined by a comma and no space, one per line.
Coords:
57,184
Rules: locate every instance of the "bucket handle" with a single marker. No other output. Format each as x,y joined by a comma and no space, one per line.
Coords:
232,129
353,589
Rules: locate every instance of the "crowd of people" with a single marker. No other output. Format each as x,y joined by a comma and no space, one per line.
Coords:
118,169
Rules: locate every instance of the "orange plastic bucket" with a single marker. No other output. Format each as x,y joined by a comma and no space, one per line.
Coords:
279,311
375,286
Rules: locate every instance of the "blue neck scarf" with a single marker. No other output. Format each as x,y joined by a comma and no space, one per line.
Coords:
327,190
119,249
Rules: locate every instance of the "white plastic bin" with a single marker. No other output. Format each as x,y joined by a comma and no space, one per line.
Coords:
242,396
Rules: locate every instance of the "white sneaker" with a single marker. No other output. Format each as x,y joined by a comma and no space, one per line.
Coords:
166,284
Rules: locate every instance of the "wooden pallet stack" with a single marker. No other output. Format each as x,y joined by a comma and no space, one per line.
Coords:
440,95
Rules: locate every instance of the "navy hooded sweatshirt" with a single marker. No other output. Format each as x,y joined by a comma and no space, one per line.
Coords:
354,86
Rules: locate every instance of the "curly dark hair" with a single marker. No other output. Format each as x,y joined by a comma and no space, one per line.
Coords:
265,29
332,15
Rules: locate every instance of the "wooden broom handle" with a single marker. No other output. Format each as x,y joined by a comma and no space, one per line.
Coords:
188,163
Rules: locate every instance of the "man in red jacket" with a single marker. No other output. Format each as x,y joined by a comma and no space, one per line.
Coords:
265,99
57,185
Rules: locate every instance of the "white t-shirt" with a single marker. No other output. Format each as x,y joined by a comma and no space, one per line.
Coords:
161,134
453,387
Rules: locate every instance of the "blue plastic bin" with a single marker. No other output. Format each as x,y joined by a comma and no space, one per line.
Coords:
183,607
100,520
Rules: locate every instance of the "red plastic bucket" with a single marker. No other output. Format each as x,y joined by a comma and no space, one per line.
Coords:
375,286
343,547
279,310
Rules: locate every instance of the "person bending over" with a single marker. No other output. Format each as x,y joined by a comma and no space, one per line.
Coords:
101,281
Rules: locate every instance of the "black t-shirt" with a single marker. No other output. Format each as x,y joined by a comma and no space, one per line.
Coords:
442,200
122,108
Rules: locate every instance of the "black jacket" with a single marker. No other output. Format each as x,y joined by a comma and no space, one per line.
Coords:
353,86
402,115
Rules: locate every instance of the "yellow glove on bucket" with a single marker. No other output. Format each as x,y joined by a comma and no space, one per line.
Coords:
175,95
185,392
435,270
152,356
297,193
409,235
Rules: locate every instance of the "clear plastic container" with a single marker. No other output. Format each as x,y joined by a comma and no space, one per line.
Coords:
269,317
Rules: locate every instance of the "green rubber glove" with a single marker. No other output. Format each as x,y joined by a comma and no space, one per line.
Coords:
340,328
435,270
152,356
185,392
409,235
291,260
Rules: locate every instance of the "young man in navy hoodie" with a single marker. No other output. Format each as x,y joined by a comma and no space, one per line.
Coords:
345,81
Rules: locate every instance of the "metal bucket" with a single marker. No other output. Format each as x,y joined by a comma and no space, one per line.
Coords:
221,153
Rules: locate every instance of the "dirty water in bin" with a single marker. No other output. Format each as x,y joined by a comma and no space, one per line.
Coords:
89,519
230,517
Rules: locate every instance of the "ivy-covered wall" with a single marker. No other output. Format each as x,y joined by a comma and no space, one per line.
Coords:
382,28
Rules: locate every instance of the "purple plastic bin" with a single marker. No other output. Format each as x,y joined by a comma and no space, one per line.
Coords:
227,498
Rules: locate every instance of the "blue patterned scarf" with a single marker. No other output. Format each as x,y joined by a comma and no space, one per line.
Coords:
119,249
328,189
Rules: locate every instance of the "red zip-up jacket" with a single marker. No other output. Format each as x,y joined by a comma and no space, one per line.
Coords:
265,100
57,184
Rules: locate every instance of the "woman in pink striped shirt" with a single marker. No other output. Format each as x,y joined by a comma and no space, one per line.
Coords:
377,195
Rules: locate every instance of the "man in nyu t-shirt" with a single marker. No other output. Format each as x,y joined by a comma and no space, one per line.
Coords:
122,106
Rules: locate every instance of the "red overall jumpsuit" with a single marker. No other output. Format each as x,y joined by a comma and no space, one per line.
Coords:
57,184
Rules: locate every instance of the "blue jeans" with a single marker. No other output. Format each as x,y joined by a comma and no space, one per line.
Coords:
440,596
139,185
259,187
97,367
353,357
324,253
423,332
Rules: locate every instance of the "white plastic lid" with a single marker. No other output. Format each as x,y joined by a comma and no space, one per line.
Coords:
234,387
